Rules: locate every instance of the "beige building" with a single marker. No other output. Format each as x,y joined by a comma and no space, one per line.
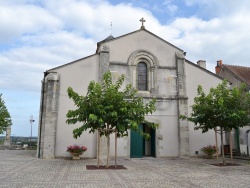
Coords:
237,75
152,65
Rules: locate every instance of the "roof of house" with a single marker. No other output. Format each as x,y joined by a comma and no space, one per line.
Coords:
242,72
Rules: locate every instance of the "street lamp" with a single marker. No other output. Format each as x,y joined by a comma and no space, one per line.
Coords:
31,121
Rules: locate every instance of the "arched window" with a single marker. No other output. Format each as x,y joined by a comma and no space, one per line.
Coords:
143,68
142,76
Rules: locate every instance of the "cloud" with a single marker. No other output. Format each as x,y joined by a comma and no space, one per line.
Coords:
214,8
17,20
40,53
171,8
219,38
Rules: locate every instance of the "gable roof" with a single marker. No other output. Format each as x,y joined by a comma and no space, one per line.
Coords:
52,69
115,38
241,72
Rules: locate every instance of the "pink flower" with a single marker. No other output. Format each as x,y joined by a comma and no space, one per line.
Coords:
209,149
76,148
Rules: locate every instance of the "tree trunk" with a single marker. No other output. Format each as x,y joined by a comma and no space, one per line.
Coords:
108,142
115,148
222,146
98,156
216,142
231,145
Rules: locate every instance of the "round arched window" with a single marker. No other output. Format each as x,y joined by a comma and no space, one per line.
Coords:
142,76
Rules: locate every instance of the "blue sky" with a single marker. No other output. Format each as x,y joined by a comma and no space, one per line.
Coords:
37,35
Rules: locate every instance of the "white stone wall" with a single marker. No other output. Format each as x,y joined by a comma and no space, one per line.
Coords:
122,48
76,75
198,76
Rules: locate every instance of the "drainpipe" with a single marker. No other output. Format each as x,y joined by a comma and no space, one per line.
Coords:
178,106
247,141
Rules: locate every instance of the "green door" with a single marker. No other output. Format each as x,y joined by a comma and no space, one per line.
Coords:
136,144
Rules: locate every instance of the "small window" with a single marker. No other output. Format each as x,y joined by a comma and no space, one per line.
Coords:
142,76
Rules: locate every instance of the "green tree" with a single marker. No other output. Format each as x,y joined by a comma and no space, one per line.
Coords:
5,119
106,107
222,107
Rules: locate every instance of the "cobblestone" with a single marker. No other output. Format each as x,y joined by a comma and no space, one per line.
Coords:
20,168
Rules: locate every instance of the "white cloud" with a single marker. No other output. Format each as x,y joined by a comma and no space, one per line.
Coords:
219,38
17,20
41,52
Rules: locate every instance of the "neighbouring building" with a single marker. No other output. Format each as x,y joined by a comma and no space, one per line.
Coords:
236,75
166,75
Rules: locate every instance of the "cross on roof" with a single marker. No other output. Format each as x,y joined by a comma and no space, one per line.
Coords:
142,25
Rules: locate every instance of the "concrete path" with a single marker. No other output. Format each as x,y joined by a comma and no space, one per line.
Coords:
22,169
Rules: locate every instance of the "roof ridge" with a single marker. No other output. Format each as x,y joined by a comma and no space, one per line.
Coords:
237,66
241,72
139,30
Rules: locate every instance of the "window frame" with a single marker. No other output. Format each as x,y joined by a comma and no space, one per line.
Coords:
142,84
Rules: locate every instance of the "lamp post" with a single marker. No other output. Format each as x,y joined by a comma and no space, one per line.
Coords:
31,121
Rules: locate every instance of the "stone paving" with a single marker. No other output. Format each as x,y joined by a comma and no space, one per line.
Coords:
22,169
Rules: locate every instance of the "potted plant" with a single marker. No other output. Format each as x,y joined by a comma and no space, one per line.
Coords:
209,150
76,150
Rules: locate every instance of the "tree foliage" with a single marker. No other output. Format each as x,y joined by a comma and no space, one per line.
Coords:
223,107
5,119
106,107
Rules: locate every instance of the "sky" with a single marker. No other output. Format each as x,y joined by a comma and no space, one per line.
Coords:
37,35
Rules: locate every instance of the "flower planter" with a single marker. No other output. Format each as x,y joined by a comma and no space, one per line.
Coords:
76,151
209,151
76,156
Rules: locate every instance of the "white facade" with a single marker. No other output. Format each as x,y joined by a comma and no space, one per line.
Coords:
171,79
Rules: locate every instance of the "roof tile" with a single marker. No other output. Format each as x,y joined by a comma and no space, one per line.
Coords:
242,72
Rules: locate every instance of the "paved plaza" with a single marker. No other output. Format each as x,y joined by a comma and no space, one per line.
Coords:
20,168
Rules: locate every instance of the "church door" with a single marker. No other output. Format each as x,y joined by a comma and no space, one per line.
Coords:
140,147
136,144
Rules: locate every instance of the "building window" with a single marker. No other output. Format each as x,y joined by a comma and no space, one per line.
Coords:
142,76
143,66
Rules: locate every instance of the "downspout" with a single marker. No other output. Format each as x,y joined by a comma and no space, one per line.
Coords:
41,116
247,141
178,105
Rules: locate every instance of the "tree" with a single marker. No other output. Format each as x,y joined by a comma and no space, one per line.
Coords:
5,119
107,109
222,107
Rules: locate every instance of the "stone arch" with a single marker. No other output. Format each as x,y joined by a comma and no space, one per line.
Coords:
139,55
152,63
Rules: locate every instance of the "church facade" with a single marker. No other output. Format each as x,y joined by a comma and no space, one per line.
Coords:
157,69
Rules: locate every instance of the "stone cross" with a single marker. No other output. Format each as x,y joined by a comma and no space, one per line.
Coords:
142,25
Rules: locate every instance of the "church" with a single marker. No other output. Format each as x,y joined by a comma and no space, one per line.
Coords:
157,69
